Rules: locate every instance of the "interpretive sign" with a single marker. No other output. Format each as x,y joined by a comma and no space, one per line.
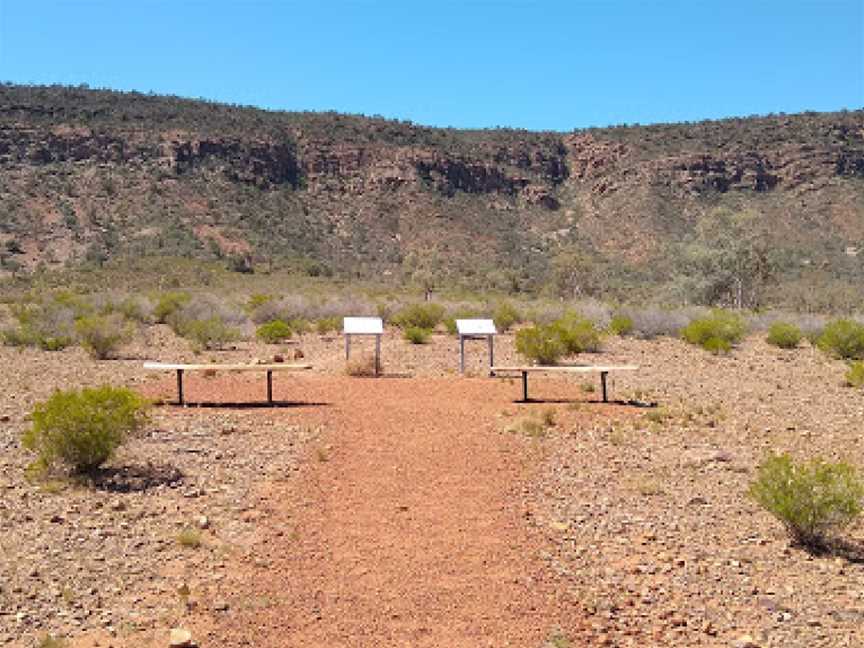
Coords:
476,329
364,326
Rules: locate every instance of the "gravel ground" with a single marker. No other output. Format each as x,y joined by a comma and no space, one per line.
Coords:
642,512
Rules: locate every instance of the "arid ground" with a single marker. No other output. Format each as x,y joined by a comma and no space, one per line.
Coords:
423,508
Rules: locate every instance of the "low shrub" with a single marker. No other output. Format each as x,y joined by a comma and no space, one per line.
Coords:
47,325
715,333
855,374
577,334
83,428
540,344
189,538
167,304
811,499
784,335
416,335
274,332
506,315
362,366
102,335
424,316
621,325
326,325
652,322
843,339
211,333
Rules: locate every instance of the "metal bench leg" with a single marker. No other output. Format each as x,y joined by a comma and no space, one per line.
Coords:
269,387
525,386
603,385
180,386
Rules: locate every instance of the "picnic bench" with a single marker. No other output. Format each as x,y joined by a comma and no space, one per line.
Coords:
525,370
180,368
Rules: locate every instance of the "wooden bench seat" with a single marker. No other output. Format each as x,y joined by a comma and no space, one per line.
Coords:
603,370
180,368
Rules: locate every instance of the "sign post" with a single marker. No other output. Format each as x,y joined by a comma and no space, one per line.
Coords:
364,326
476,329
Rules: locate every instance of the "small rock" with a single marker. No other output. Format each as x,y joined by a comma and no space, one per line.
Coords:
745,641
203,522
180,638
220,606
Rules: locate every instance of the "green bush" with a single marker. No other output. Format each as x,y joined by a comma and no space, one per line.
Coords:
843,339
783,335
810,498
424,316
621,325
47,325
167,304
505,316
416,334
715,333
325,325
855,374
540,344
210,333
102,335
82,429
577,334
274,332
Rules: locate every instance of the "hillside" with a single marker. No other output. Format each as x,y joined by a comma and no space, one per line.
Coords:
89,175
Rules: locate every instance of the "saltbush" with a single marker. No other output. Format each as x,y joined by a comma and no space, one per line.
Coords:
577,334
424,316
102,335
325,325
715,333
210,333
843,339
48,325
167,304
540,344
811,499
621,324
416,334
505,316
784,335
855,374
83,428
274,331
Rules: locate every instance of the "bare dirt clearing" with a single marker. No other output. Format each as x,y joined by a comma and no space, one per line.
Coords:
401,512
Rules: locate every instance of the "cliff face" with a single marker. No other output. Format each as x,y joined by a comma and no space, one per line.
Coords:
85,172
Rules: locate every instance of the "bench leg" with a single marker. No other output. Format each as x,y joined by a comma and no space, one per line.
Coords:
603,385
180,386
525,386
269,387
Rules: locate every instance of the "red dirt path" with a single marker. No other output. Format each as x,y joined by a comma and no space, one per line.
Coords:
405,527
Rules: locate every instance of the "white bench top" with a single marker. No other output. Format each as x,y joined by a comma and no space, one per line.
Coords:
568,368
273,366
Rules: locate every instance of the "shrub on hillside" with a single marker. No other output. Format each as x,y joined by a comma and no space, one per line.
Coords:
505,315
577,334
811,499
621,324
102,335
167,304
82,429
48,325
843,339
784,335
416,335
274,332
424,316
855,374
715,333
540,344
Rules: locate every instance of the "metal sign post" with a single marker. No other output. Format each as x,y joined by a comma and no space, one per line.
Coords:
476,329
364,326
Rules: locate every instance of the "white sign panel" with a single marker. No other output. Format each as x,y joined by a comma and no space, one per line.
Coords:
362,326
476,327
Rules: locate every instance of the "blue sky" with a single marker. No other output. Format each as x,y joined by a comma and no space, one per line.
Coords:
536,65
